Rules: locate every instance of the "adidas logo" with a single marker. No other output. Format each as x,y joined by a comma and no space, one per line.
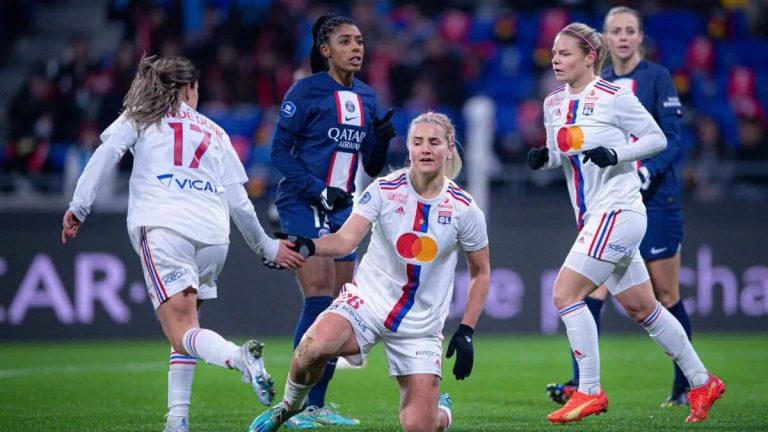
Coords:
400,211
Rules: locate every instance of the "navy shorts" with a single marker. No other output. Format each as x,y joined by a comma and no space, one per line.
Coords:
664,235
312,221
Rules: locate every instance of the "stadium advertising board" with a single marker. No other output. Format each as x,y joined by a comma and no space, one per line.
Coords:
93,286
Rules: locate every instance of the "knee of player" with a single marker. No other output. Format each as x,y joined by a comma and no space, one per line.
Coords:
563,298
668,298
413,420
638,311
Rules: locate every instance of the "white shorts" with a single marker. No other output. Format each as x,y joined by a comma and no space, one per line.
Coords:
606,250
172,262
406,355
613,236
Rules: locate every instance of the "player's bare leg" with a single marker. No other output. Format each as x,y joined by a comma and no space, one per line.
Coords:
419,409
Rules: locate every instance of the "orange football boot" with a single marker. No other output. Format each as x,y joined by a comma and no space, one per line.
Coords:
703,397
580,405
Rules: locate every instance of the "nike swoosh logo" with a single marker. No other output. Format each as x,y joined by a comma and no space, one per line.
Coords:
349,118
655,251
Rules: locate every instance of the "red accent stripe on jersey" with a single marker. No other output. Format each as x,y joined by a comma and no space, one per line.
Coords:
399,179
406,300
187,362
608,236
351,176
557,90
162,295
330,168
457,197
362,111
393,187
596,234
609,84
338,107
605,89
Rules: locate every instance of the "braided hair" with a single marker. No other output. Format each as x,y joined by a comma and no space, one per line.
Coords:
321,31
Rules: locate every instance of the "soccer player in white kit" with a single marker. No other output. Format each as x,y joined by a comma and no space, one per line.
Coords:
186,182
402,290
589,123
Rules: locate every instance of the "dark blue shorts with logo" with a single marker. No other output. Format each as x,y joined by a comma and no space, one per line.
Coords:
312,221
664,235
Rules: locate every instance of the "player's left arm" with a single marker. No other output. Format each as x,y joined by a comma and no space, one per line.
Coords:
479,265
668,111
473,236
632,116
344,241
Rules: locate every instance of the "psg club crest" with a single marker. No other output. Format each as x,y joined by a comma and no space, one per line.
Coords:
349,106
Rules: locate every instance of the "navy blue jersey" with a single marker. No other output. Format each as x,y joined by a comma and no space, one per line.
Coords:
653,86
323,128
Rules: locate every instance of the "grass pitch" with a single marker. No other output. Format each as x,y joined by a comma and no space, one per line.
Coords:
121,386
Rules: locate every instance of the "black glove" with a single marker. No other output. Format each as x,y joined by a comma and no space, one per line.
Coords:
333,198
383,128
601,156
461,343
271,264
302,245
537,157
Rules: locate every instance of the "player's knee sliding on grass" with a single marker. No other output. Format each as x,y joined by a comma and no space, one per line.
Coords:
403,287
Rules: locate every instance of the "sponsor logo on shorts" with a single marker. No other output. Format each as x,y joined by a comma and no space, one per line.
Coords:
656,251
620,249
355,317
176,275
426,353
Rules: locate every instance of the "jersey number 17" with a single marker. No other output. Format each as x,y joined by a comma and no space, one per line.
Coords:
178,143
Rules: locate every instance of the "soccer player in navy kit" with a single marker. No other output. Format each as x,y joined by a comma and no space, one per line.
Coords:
660,248
327,121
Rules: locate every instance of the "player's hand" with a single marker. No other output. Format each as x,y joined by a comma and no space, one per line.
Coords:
302,245
383,128
285,257
461,344
70,226
333,198
601,156
537,157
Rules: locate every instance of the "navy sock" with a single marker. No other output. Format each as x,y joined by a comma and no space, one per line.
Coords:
678,311
595,308
313,306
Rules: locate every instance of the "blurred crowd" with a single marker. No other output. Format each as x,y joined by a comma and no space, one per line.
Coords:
419,55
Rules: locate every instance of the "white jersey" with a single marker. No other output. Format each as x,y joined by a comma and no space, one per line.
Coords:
179,172
603,114
407,274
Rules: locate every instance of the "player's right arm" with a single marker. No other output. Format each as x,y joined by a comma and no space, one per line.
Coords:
293,117
116,140
344,241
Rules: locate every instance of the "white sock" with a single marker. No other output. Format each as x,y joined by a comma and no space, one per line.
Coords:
582,334
669,334
180,374
210,347
295,394
447,412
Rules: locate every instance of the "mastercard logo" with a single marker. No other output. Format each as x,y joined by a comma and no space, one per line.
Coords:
419,248
570,138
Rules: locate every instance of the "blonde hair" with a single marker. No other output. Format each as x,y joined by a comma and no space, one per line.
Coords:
626,10
156,89
454,163
589,40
